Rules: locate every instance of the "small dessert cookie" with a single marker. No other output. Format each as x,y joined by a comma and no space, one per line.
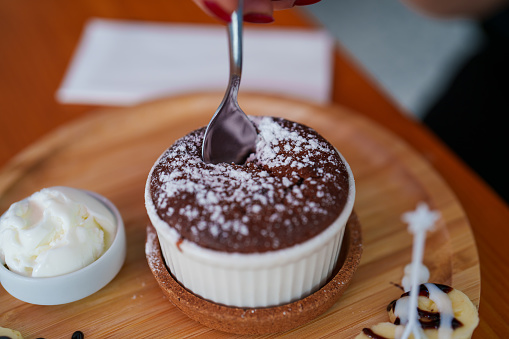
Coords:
8,333
441,308
379,331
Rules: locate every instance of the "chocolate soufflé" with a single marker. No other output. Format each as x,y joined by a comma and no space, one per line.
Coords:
293,187
261,234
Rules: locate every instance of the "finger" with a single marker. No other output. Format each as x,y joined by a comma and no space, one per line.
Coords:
255,11
258,11
305,2
282,4
219,9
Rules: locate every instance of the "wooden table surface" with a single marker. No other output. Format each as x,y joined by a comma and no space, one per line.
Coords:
37,41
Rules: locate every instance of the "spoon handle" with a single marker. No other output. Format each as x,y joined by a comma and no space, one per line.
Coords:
235,43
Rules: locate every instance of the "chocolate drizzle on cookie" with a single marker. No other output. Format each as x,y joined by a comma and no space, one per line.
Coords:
427,319
372,335
292,188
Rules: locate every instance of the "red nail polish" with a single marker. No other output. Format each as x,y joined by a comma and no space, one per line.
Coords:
305,2
216,10
258,18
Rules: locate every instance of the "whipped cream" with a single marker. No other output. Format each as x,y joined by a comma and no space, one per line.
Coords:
55,231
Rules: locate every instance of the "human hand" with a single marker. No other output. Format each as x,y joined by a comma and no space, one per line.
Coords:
255,11
476,9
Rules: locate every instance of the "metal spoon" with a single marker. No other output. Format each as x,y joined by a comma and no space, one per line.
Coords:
230,135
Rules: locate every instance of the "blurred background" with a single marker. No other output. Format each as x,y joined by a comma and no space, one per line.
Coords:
412,56
91,53
452,74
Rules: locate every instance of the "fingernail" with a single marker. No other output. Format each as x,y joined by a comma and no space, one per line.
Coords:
258,18
216,10
305,2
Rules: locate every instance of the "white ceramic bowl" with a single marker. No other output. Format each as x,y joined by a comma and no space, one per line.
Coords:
253,280
75,285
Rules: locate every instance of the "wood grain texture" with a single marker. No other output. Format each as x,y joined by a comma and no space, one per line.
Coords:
111,152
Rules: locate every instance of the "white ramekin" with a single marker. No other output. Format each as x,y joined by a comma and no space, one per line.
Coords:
258,279
76,285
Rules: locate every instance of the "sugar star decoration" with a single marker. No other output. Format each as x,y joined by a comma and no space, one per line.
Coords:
419,222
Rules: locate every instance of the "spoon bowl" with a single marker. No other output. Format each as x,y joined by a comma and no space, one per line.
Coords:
230,136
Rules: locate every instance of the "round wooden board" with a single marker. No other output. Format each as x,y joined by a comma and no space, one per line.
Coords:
112,151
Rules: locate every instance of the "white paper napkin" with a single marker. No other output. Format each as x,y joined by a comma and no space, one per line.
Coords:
125,62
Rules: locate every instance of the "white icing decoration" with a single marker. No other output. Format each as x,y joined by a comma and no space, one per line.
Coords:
419,222
444,306
401,309
422,276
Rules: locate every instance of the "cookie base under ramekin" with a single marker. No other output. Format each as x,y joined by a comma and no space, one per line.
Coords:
264,319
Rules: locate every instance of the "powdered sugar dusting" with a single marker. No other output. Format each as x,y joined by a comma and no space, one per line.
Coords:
290,189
